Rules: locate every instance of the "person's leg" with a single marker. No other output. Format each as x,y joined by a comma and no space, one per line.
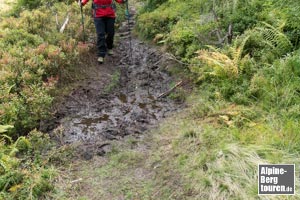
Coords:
100,30
110,30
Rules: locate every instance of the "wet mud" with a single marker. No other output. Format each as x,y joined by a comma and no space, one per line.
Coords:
119,98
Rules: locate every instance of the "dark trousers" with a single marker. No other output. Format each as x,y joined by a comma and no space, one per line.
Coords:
105,28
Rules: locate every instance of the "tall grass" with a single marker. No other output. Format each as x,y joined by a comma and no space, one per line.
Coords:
245,108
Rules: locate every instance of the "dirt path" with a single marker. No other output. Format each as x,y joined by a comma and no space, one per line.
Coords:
110,112
118,98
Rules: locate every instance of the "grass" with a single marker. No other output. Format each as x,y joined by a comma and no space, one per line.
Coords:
192,156
114,83
216,158
120,174
208,151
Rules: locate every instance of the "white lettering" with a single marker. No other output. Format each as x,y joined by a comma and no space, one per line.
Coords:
262,179
273,180
272,170
263,170
272,188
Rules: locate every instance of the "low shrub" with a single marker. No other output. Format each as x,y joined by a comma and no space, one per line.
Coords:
24,171
34,56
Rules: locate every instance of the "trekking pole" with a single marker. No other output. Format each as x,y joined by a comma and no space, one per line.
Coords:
82,20
127,14
82,23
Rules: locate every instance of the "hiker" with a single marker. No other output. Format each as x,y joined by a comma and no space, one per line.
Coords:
104,19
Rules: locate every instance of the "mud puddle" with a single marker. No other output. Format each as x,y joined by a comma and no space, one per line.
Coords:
119,97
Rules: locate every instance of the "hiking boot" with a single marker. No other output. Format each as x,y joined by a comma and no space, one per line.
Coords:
110,52
100,60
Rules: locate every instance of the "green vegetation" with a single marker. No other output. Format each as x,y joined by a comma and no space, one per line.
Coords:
34,55
245,107
244,59
5,5
24,172
115,79
34,58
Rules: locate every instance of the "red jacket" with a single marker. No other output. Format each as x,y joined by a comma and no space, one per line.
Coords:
103,12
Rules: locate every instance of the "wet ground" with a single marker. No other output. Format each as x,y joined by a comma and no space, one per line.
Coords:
118,98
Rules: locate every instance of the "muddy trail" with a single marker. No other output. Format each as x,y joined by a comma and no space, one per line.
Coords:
118,98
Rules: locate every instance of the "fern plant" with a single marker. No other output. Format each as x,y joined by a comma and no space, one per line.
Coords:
222,64
274,38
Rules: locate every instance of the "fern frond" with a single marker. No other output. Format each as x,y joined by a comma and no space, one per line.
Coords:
221,63
238,51
3,166
212,48
275,38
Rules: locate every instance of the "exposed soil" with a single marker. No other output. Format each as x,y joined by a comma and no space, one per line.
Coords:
118,98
